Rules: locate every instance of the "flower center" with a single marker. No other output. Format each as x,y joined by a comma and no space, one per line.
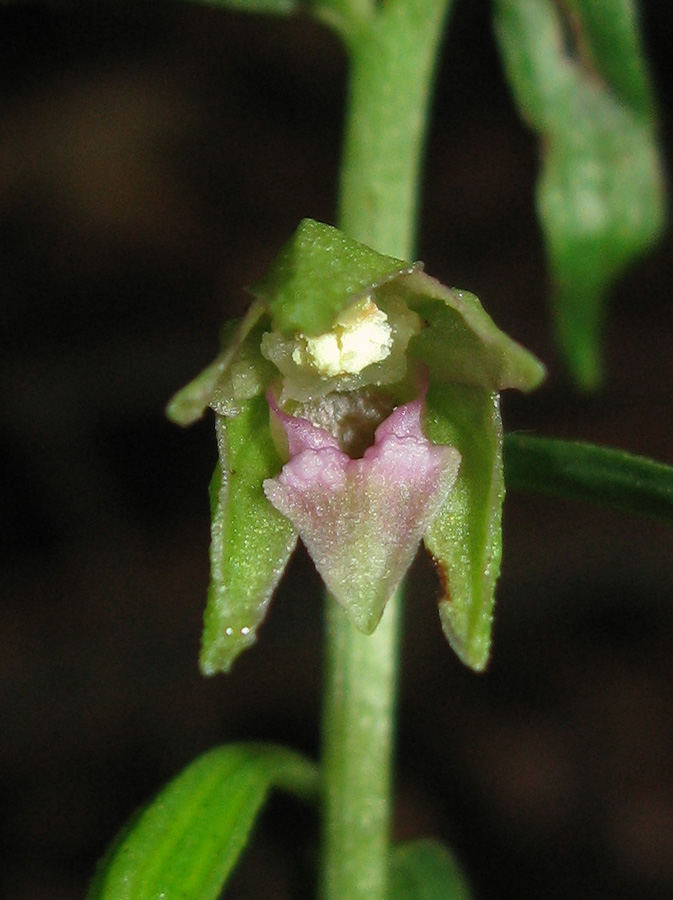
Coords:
351,417
360,336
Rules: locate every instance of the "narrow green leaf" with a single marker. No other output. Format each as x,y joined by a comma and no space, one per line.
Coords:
579,77
425,870
185,844
272,7
251,541
317,274
587,472
465,539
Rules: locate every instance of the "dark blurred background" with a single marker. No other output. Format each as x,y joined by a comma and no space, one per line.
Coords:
153,158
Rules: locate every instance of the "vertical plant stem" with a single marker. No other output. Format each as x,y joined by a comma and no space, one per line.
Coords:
360,673
392,61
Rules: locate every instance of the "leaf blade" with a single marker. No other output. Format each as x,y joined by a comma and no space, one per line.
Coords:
425,870
588,472
271,7
184,844
580,79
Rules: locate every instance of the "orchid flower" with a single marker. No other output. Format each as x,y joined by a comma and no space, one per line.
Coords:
357,408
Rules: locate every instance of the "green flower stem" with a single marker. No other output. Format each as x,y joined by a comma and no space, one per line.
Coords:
392,61
358,724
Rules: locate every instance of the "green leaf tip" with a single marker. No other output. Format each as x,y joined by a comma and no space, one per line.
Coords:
426,870
186,842
579,76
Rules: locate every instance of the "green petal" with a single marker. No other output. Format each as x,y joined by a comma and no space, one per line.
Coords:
460,343
184,845
251,541
579,76
191,401
465,539
317,274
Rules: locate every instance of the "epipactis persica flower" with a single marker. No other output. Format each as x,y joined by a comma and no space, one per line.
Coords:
357,408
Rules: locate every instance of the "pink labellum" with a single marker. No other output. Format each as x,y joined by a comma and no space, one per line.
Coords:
362,520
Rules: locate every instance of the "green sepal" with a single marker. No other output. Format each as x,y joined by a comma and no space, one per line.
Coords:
600,192
318,273
425,870
185,844
191,401
465,539
460,343
246,375
251,542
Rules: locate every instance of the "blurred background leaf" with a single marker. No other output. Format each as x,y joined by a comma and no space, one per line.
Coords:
579,77
274,7
587,472
425,870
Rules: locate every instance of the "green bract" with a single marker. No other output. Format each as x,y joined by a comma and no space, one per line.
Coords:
337,338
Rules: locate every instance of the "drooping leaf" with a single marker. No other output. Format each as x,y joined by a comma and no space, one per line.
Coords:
425,870
185,844
579,76
251,542
587,472
465,539
317,274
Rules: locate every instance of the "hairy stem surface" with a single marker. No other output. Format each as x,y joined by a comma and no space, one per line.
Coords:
392,61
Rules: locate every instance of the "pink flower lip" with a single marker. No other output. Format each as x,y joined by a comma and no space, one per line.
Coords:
362,520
